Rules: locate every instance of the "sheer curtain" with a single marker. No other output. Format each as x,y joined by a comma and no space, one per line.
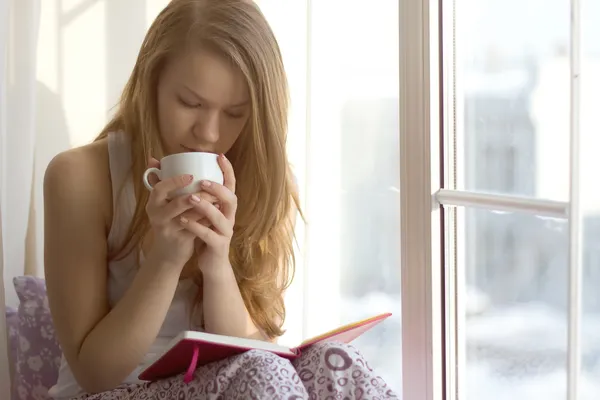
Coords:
63,65
18,141
4,374
19,24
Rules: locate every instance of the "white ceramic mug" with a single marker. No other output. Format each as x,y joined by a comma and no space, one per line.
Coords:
202,166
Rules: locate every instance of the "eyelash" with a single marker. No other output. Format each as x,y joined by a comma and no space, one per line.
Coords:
188,105
235,116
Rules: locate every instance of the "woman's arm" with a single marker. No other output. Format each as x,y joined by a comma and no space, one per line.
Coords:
102,346
225,312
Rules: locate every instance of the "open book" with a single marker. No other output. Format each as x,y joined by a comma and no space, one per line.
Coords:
191,349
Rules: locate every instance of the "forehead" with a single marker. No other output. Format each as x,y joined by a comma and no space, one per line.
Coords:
210,75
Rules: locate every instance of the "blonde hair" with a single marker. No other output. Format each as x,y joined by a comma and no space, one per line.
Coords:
261,252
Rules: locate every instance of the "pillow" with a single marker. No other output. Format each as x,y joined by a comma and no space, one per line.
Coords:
12,328
38,353
12,335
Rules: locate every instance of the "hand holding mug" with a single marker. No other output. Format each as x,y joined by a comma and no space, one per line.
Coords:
151,178
173,199
172,244
202,166
217,236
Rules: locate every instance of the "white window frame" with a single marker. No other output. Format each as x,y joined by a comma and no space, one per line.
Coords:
421,229
431,301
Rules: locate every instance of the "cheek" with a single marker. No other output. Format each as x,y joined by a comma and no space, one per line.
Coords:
235,128
174,122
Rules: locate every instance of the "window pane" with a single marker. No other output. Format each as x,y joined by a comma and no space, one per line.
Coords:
512,97
590,192
288,21
354,210
347,166
515,305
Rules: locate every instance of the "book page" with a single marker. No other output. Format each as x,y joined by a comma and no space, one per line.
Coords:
235,341
346,328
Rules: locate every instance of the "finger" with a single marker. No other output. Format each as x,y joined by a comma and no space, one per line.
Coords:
162,189
207,235
216,218
182,206
193,215
153,163
174,208
208,197
226,197
228,173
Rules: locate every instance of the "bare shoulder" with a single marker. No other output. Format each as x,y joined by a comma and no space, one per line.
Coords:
77,209
81,165
81,177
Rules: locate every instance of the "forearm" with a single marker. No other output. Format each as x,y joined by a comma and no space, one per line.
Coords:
119,342
224,310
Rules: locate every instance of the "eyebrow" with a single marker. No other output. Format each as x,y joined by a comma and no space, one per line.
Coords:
205,100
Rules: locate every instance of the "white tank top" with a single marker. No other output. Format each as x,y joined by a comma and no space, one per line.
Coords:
122,272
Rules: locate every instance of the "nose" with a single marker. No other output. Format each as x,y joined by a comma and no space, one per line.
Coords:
206,129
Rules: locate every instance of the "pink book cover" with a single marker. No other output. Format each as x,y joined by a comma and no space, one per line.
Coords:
191,349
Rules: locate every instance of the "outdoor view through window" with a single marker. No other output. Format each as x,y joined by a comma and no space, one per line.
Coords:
512,102
347,165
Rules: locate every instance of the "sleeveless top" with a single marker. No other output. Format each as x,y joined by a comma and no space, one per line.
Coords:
121,272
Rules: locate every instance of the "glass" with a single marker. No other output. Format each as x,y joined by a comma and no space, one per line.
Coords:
590,196
353,196
512,96
516,307
289,23
345,155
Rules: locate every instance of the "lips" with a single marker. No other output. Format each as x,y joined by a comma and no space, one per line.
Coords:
190,149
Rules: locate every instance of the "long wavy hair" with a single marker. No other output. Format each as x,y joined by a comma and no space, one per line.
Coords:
261,252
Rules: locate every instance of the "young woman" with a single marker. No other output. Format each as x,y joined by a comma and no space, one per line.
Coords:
128,269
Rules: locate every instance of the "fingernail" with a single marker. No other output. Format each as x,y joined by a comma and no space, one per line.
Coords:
183,220
195,198
222,156
206,183
218,206
188,178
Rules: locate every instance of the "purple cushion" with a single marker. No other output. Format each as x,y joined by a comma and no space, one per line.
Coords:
12,330
37,352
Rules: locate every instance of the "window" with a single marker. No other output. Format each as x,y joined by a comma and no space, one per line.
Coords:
519,204
342,62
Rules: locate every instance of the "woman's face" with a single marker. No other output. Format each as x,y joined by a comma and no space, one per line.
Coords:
203,103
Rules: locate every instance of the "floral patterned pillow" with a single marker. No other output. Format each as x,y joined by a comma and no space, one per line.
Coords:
37,351
12,328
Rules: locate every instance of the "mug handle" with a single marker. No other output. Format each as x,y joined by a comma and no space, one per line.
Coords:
147,174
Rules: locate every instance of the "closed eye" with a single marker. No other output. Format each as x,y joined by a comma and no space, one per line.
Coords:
188,104
234,115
